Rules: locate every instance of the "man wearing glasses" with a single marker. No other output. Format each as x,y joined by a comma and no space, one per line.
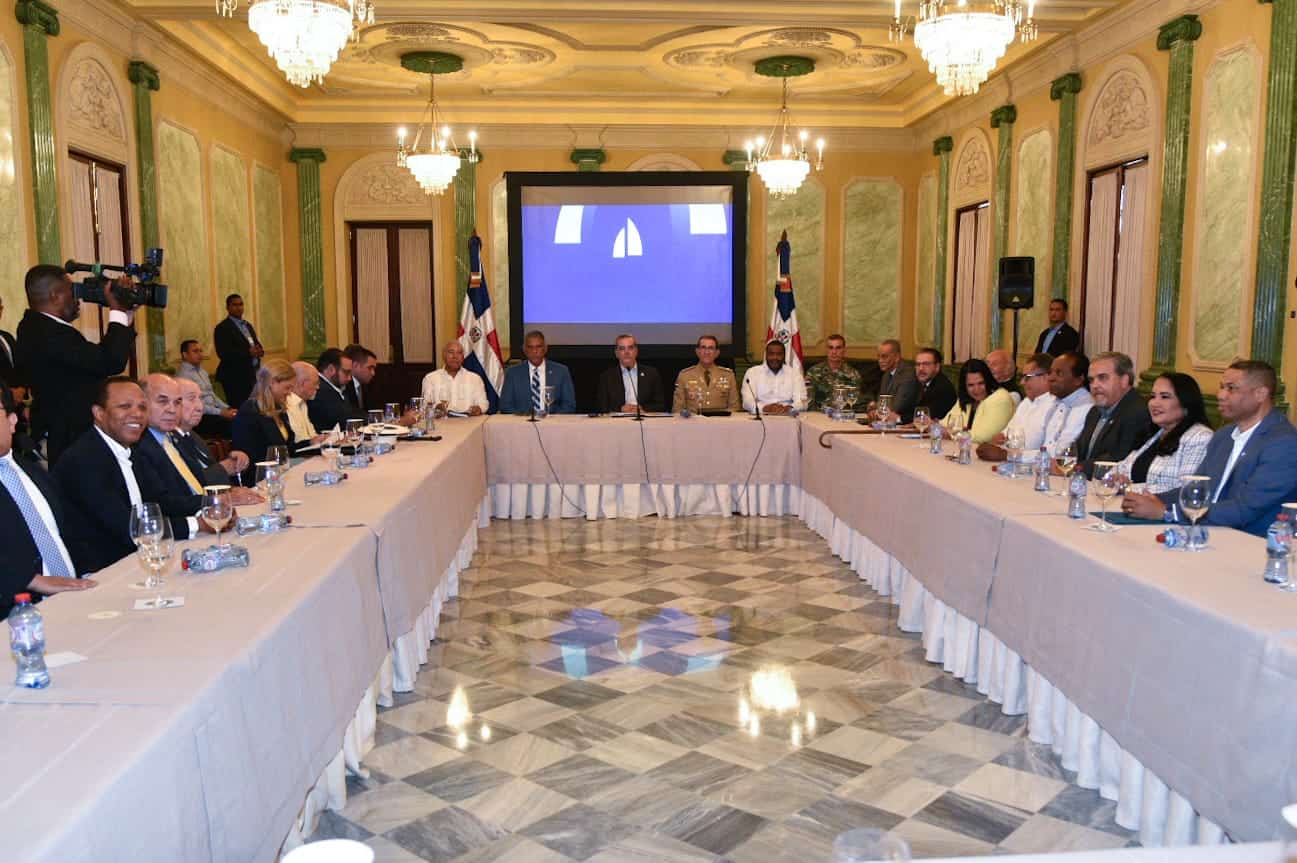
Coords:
936,392
717,384
629,386
1031,414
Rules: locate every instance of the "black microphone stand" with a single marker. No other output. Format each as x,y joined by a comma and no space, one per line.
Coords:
634,385
755,403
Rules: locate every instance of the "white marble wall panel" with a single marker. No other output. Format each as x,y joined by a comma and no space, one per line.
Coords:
13,230
1033,232
184,236
871,256
232,229
925,289
268,224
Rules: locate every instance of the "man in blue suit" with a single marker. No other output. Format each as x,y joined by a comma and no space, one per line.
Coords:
1252,461
524,384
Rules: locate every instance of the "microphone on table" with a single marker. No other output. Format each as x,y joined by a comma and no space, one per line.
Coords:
756,404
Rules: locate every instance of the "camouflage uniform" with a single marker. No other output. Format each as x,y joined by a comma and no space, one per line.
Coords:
820,381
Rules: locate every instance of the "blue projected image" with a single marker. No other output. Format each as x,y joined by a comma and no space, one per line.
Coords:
610,263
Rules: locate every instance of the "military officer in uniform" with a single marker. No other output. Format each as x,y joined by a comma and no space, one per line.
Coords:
821,378
719,388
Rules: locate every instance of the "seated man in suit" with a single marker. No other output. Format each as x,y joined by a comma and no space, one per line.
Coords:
194,449
330,408
628,384
101,479
1252,461
524,384
936,392
1119,422
453,387
35,560
1059,337
898,380
63,368
364,367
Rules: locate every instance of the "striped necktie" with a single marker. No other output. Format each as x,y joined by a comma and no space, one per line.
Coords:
183,469
536,403
48,548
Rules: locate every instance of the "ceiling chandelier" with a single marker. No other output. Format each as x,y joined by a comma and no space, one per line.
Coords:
304,37
781,162
962,41
435,166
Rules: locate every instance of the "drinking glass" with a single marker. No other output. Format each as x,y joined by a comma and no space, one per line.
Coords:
1291,584
270,479
1195,499
416,407
154,552
1107,482
1066,459
352,432
147,523
375,418
549,393
1014,442
391,412
882,411
329,450
217,510
922,422
279,455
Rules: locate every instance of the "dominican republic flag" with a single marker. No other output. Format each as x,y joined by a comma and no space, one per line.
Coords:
477,328
783,323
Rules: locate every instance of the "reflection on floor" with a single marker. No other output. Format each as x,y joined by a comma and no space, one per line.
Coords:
693,690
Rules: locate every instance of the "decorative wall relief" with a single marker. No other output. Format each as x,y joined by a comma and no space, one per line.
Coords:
93,101
388,184
14,263
1227,173
871,261
268,225
802,215
184,236
926,262
232,227
1122,120
970,181
1033,226
1122,109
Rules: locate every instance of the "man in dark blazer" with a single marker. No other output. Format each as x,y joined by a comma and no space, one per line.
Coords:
35,559
898,380
628,383
517,398
936,392
100,479
1252,461
329,406
364,365
239,350
62,366
1118,423
193,449
1059,337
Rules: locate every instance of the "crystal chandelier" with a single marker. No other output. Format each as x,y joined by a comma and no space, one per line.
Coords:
435,166
304,37
782,163
962,41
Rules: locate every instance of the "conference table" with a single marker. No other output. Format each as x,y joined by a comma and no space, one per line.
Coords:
216,731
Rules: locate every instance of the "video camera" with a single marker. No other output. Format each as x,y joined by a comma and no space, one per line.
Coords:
145,291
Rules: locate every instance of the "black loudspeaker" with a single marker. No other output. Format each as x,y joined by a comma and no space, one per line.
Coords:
1017,283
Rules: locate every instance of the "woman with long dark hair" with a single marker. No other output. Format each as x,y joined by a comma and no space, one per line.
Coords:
1180,442
984,407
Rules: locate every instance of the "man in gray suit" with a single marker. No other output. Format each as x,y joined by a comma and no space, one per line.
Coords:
898,380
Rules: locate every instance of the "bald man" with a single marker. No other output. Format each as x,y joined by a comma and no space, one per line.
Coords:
1005,372
453,388
305,386
193,448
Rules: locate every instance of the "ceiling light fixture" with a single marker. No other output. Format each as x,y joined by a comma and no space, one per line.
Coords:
304,37
962,41
782,163
436,165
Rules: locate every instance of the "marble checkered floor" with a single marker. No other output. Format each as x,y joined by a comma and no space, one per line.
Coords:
693,690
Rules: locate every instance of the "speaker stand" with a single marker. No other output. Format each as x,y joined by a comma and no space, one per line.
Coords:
1016,311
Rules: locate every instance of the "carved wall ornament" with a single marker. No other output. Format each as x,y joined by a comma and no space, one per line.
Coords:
974,167
872,58
418,31
521,56
697,57
799,37
1121,109
93,102
387,184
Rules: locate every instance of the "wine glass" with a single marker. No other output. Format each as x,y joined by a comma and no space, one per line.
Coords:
1107,482
329,451
1195,499
416,408
1014,443
1066,459
270,479
216,510
375,419
922,422
279,455
147,523
154,552
353,431
391,412
548,393
882,411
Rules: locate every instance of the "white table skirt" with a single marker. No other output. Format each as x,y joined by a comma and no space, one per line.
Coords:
636,500
976,656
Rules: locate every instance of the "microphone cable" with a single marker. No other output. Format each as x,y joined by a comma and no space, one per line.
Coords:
561,490
747,483
643,442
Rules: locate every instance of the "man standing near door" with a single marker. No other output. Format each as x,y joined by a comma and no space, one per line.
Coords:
239,350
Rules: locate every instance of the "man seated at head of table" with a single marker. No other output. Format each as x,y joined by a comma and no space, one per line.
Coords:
1029,418
629,384
1180,440
1252,461
32,516
1118,422
716,385
525,383
453,387
1005,371
330,408
262,421
983,408
823,378
1068,378
194,449
936,392
101,478
772,386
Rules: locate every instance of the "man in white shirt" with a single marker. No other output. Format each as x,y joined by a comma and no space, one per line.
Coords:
1030,416
451,388
773,386
217,415
1066,417
296,405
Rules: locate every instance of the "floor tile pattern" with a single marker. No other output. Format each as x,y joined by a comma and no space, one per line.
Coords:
693,690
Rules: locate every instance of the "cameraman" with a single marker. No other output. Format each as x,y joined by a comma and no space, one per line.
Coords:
63,368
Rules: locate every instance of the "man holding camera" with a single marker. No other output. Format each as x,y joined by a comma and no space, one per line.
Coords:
63,367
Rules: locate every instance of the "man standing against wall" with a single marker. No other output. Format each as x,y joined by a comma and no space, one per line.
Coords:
239,350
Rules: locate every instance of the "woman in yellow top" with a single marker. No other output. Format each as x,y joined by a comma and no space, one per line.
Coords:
261,422
984,408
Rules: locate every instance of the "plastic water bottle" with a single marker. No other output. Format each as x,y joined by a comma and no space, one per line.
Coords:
1278,538
965,447
1174,537
213,558
323,477
267,522
934,439
27,641
1043,465
1077,488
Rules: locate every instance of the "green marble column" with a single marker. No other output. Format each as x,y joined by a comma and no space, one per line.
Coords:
465,221
941,148
311,222
1002,118
144,79
736,160
1063,91
40,21
1277,173
588,159
1177,37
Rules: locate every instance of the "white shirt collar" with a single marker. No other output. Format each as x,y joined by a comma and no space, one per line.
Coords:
122,453
60,320
330,383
